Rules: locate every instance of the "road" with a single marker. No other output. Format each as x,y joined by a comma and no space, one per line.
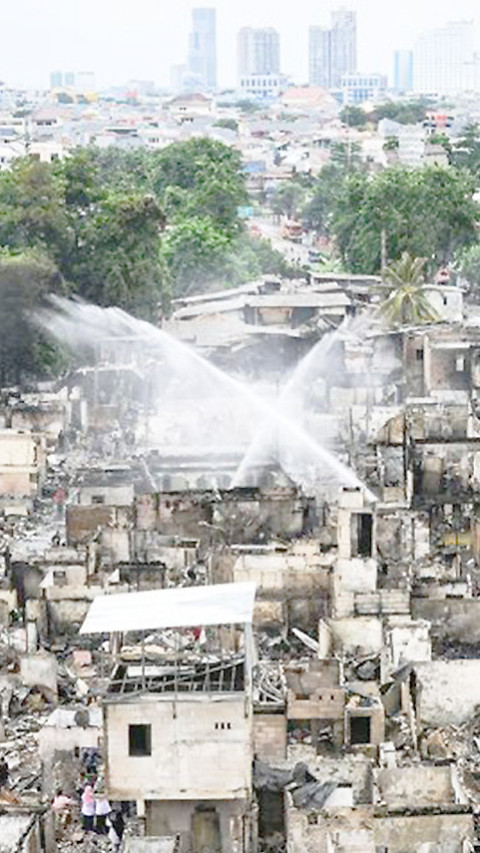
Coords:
293,252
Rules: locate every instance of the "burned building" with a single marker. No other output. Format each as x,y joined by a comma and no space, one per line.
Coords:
178,730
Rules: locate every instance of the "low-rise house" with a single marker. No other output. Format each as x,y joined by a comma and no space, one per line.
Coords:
178,732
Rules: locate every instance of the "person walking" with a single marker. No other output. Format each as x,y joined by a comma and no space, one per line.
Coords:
88,808
102,810
115,830
4,773
62,811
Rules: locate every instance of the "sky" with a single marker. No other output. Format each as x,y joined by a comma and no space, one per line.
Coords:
122,40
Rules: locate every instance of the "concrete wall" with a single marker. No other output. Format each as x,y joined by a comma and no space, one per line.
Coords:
39,669
170,818
356,575
415,786
84,521
269,614
324,703
47,417
66,613
410,642
376,715
17,449
192,757
17,481
52,739
448,691
175,513
454,618
442,833
318,832
22,463
279,572
363,633
111,495
270,737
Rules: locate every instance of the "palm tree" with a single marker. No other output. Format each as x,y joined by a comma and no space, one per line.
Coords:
407,301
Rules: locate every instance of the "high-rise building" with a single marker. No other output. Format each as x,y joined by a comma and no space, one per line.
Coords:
258,51
69,78
333,52
443,58
202,55
56,80
403,71
319,59
343,41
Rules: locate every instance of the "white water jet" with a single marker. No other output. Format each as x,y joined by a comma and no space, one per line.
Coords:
79,323
291,400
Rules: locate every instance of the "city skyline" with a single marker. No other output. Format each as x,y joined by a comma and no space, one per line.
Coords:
333,52
258,51
202,47
117,44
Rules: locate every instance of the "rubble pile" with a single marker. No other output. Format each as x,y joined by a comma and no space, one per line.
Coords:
238,638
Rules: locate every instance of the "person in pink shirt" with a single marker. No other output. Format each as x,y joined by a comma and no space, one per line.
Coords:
88,808
62,809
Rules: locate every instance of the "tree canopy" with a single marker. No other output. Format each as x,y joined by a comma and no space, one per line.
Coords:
26,281
133,228
353,116
429,212
407,301
405,112
466,152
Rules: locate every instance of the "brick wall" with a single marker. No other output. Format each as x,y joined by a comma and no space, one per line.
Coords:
270,737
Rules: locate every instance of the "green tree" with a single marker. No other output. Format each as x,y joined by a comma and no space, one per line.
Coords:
32,208
353,116
247,106
443,140
195,253
228,123
391,143
288,199
467,263
250,257
429,212
466,151
26,281
405,112
407,301
319,210
128,228
118,258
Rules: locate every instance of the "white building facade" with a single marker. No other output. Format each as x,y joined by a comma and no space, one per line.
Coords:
444,60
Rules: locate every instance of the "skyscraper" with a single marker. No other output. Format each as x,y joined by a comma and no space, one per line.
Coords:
343,48
258,51
442,58
333,52
202,55
319,59
56,79
403,71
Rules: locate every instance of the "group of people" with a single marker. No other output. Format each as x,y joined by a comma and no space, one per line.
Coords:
97,814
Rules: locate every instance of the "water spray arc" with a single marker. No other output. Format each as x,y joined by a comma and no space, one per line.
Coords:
76,323
287,402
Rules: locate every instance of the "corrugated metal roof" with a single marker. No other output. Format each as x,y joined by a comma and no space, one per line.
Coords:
299,300
219,604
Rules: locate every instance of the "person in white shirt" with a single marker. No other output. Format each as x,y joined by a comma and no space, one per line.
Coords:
102,810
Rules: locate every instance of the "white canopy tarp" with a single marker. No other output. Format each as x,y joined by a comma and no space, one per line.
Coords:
218,604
